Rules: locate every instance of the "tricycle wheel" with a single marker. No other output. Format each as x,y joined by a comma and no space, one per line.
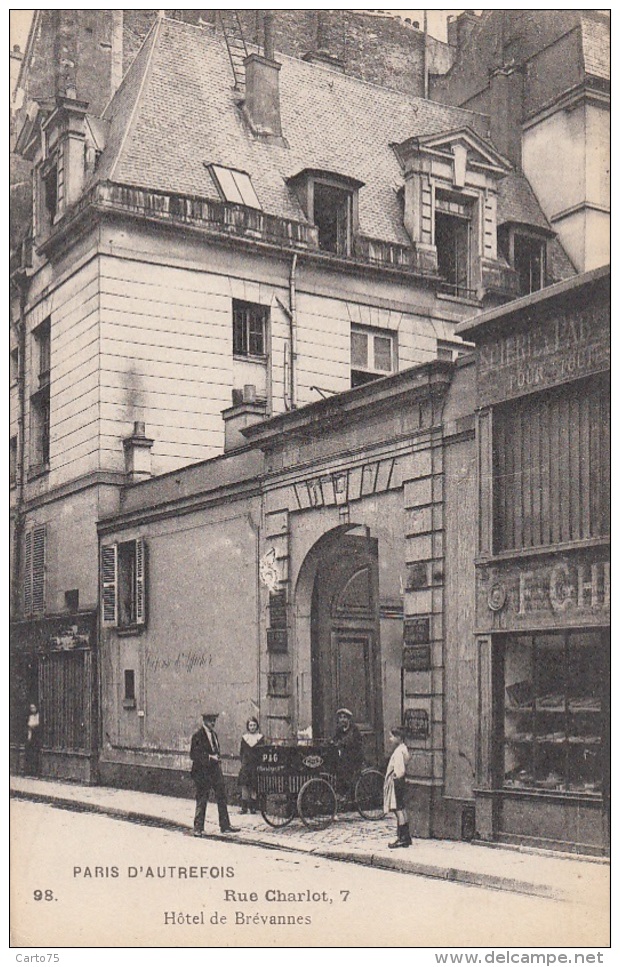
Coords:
316,803
277,809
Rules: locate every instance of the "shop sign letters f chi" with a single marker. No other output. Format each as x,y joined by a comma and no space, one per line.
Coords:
555,591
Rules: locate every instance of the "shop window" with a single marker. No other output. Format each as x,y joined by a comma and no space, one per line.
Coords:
123,584
249,329
34,570
332,216
373,354
555,712
12,461
552,466
453,243
235,186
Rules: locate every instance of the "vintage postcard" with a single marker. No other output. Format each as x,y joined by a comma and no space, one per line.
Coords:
310,481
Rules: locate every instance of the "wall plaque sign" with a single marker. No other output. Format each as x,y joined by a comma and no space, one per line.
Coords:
417,658
416,631
277,640
416,723
277,609
278,684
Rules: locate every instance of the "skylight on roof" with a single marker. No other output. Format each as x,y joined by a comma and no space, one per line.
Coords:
235,186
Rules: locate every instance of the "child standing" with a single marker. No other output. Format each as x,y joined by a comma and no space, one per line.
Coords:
394,788
248,753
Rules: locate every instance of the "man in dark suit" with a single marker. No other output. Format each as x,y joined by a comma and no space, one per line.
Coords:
348,740
207,774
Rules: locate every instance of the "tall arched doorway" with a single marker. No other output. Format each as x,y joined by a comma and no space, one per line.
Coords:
345,640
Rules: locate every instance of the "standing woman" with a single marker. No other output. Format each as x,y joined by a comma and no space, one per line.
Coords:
394,788
32,751
248,753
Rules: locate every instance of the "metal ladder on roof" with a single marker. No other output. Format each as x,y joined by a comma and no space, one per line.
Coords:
235,43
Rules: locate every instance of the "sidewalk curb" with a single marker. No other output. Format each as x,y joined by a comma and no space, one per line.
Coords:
400,864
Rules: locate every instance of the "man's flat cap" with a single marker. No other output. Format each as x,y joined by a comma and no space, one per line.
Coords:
345,711
210,715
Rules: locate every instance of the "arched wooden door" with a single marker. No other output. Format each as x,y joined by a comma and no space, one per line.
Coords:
345,641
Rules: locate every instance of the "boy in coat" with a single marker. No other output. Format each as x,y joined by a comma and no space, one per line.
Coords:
207,774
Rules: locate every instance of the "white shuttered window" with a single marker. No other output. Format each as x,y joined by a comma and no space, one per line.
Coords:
123,584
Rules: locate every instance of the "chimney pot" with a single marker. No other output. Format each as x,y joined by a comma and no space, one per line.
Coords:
239,416
138,454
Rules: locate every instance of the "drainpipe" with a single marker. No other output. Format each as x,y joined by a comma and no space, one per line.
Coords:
292,298
21,472
425,57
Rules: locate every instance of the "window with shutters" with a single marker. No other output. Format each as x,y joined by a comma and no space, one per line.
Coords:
34,571
123,584
373,354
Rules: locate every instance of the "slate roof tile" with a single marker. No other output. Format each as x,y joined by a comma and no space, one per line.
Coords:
595,35
177,109
516,202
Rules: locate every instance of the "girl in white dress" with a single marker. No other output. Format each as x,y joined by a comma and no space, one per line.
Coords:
394,788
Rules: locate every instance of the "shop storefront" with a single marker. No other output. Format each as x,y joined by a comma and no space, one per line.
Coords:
543,571
54,666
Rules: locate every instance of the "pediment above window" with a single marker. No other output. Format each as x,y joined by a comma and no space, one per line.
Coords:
462,146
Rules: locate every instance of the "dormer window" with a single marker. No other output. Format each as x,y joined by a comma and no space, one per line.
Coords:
330,201
50,190
333,210
235,186
526,253
453,242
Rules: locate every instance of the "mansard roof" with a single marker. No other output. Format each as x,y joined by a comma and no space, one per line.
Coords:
177,112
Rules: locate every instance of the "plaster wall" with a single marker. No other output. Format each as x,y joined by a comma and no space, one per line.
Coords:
199,650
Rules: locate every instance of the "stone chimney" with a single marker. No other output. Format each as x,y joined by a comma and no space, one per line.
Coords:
262,87
245,411
461,27
138,454
328,24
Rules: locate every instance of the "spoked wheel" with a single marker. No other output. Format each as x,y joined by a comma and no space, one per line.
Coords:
277,809
316,804
369,794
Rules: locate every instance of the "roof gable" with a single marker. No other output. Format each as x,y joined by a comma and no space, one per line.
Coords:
479,152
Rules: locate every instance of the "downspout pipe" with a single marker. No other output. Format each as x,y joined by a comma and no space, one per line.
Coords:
20,328
292,301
